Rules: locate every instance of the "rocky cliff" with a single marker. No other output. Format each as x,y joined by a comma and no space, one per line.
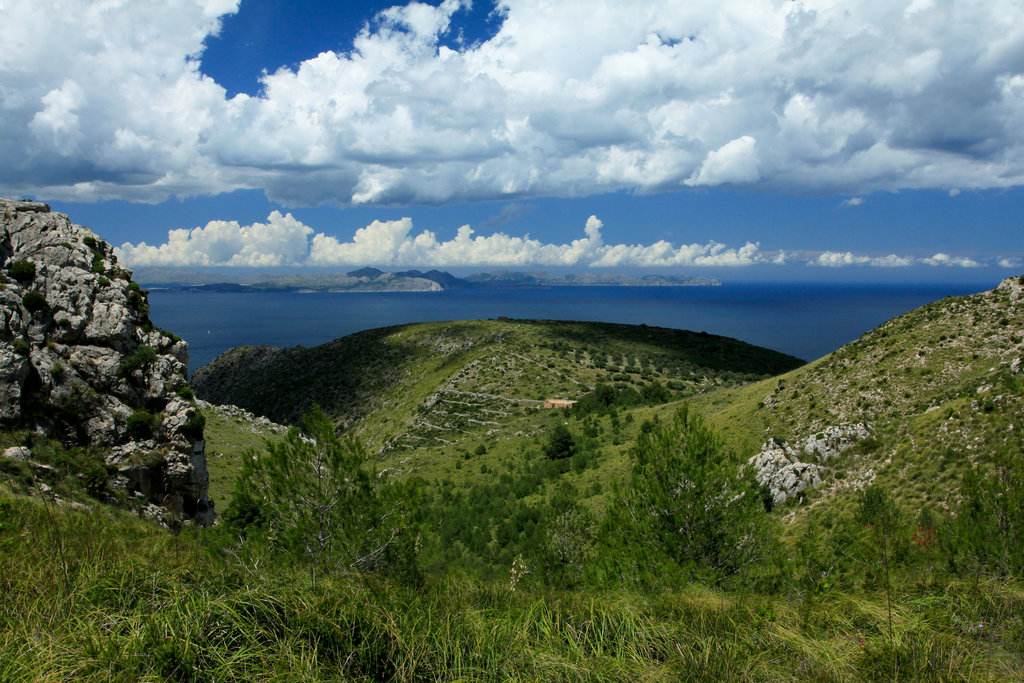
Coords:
80,360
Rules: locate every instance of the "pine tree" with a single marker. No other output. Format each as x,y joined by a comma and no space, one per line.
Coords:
315,500
688,499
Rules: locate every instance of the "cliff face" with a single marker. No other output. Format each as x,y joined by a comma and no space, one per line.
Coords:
80,361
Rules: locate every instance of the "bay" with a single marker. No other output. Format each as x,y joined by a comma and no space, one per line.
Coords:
807,320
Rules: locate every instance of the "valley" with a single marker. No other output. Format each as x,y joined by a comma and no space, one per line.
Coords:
501,499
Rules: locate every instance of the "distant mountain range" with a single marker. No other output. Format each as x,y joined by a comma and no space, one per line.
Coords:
375,280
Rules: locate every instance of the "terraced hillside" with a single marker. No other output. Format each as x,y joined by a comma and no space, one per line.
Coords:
431,384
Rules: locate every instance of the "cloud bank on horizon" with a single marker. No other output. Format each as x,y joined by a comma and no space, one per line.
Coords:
813,96
285,241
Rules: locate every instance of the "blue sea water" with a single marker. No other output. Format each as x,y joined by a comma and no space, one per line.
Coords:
805,320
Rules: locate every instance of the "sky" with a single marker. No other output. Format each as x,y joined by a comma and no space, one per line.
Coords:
741,139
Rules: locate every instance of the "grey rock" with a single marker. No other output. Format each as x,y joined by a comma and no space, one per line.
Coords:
1012,286
93,358
18,453
778,467
832,441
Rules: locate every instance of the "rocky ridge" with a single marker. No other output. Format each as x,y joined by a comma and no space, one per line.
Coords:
81,362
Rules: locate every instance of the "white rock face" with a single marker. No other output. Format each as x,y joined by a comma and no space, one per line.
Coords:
778,465
78,356
834,440
18,453
1013,286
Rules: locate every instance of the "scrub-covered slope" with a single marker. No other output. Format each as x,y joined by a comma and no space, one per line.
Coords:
431,382
914,402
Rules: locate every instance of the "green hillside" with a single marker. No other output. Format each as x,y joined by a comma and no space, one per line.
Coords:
458,530
398,369
936,387
445,400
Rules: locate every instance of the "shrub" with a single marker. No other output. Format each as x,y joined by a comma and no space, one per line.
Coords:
97,264
685,500
141,423
57,371
34,302
89,241
561,443
137,298
20,347
324,507
143,356
186,393
193,427
95,480
23,271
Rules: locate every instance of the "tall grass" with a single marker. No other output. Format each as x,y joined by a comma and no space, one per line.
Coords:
140,604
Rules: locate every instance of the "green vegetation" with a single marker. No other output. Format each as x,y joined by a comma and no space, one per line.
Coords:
323,569
139,360
453,528
309,498
194,425
34,303
22,270
142,423
687,501
137,297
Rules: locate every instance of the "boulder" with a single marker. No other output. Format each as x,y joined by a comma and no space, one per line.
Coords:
778,468
18,453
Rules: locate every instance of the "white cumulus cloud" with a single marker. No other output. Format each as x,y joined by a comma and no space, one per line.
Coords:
284,240
281,241
836,259
733,162
567,99
941,259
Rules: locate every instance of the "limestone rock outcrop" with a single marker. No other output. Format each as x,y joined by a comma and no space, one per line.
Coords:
779,468
80,360
1014,286
778,465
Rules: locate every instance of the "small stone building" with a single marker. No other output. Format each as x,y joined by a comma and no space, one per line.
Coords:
559,403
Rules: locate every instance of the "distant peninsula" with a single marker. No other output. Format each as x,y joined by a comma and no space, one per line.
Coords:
375,280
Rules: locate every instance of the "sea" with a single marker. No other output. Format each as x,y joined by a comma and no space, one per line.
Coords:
806,320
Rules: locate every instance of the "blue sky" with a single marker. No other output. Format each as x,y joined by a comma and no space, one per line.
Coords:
816,139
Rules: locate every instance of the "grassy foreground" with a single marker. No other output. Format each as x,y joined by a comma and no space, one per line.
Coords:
100,595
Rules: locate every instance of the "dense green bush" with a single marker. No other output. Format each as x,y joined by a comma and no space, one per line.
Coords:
321,506
21,347
193,427
560,443
687,501
34,302
140,360
22,270
141,423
